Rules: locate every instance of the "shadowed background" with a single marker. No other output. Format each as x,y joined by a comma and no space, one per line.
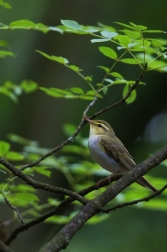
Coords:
141,126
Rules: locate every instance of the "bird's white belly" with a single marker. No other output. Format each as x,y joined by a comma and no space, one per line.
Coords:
101,157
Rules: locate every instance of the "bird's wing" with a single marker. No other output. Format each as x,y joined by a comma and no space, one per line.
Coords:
115,148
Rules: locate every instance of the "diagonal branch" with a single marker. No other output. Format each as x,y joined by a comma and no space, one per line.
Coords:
133,202
56,210
121,101
39,185
61,240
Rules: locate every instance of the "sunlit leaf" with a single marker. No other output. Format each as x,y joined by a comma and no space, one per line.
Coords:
99,40
4,148
109,34
4,54
15,156
132,96
123,40
76,90
130,61
106,69
71,24
107,51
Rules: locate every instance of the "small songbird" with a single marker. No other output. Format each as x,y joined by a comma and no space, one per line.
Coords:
109,152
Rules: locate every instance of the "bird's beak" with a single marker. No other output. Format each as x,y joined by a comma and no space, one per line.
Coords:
88,120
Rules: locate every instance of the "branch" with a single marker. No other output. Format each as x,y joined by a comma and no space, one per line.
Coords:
61,240
39,185
4,248
133,202
121,101
56,210
69,140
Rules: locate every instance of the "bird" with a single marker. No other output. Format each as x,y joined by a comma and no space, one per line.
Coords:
109,152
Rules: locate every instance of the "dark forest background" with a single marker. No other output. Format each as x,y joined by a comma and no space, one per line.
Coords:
141,126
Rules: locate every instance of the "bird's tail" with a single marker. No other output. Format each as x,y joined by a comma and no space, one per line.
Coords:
144,182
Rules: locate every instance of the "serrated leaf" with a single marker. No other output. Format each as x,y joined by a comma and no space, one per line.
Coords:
107,51
71,24
4,148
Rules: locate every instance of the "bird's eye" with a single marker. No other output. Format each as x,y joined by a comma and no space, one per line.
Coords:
99,125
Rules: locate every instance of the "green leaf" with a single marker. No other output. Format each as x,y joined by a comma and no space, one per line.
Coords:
69,129
76,149
28,86
54,58
132,33
23,199
106,69
23,23
130,61
5,5
154,31
99,40
4,148
75,68
123,40
3,43
132,96
109,34
4,54
138,27
14,156
76,90
125,25
71,24
116,75
43,170
107,51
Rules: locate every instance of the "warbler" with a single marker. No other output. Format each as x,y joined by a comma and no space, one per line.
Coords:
109,152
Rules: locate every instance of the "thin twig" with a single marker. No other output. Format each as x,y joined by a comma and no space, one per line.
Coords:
133,202
55,210
14,208
121,101
39,185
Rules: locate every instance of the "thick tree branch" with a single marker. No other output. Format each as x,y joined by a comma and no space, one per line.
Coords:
61,240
